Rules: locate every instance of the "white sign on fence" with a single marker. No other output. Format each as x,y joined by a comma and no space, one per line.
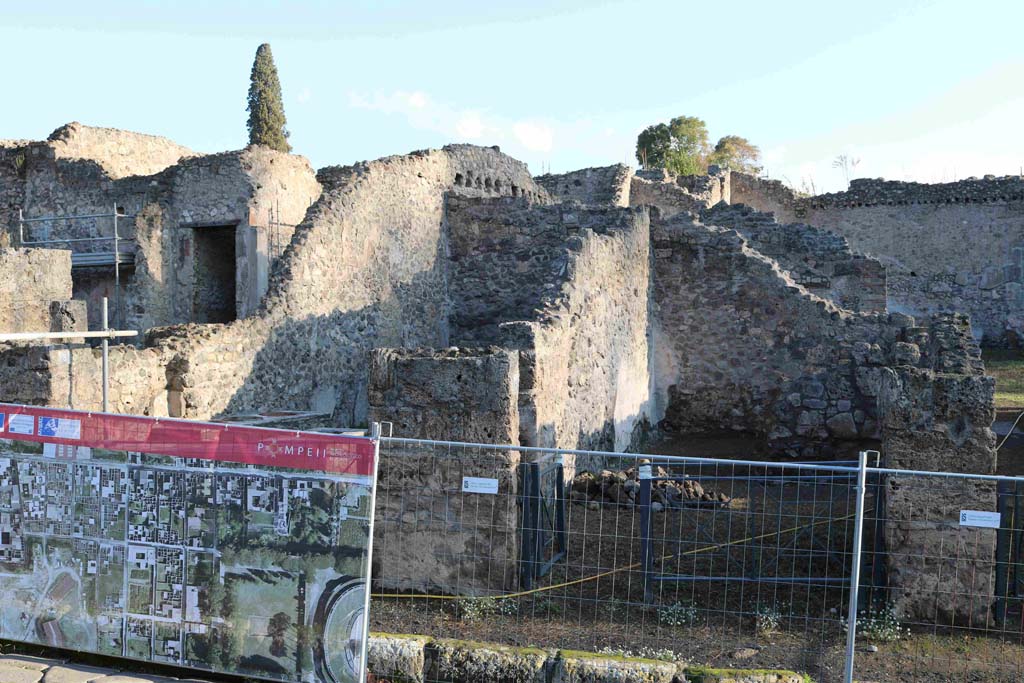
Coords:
479,485
982,518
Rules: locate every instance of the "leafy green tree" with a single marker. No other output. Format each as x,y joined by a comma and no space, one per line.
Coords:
266,110
652,145
681,146
737,154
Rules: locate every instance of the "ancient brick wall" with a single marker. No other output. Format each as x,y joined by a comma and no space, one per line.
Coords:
917,231
604,185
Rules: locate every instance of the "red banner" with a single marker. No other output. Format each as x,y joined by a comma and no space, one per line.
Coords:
187,439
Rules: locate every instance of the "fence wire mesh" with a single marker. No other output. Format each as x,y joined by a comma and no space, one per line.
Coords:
694,562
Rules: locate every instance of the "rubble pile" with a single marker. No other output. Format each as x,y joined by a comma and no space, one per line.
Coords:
623,488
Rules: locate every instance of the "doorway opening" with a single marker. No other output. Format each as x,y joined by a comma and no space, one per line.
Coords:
213,299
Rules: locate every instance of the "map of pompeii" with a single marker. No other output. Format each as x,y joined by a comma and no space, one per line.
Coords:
183,561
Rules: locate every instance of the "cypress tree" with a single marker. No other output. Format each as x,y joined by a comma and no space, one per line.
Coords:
266,111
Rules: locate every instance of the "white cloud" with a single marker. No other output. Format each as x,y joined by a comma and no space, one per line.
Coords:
304,95
537,137
530,139
470,126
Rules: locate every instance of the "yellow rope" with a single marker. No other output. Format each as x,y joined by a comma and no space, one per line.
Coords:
635,565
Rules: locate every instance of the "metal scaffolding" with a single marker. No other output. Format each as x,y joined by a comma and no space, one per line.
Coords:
115,237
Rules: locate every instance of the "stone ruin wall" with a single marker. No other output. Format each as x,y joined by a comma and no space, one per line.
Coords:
917,231
608,185
369,267
550,315
365,269
57,178
35,292
939,421
819,260
672,194
120,153
740,345
568,286
468,395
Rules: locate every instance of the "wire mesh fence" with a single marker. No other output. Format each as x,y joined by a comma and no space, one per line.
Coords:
701,562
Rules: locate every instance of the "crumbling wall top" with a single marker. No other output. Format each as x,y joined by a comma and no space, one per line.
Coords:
604,185
120,153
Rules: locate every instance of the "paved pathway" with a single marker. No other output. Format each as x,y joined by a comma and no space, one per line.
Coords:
24,669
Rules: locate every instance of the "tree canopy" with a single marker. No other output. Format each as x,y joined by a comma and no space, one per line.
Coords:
266,110
681,146
737,154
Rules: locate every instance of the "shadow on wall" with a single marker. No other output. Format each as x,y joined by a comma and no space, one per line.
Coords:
322,362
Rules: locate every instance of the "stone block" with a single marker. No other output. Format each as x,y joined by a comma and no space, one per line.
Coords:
397,656
466,662
585,667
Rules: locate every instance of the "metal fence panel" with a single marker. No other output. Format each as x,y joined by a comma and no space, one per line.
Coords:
729,563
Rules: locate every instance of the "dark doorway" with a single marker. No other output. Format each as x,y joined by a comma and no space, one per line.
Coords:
213,299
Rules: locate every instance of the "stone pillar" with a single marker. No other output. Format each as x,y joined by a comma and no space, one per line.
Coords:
939,572
430,535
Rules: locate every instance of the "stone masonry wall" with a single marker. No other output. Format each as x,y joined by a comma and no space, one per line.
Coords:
916,230
567,286
605,185
365,269
820,260
69,375
939,572
120,153
739,345
35,292
69,175
673,194
430,535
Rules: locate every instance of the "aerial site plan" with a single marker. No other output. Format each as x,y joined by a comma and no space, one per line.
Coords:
191,561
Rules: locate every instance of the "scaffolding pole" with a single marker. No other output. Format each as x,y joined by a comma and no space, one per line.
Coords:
106,354
117,239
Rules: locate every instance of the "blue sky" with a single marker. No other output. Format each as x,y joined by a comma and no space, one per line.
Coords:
918,90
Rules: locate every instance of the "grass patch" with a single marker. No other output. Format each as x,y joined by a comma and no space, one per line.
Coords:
1008,369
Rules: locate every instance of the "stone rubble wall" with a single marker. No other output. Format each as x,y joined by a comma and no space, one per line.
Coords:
425,536
939,572
120,153
739,345
568,286
819,260
913,229
70,376
673,194
233,189
940,257
366,269
35,292
762,194
608,185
